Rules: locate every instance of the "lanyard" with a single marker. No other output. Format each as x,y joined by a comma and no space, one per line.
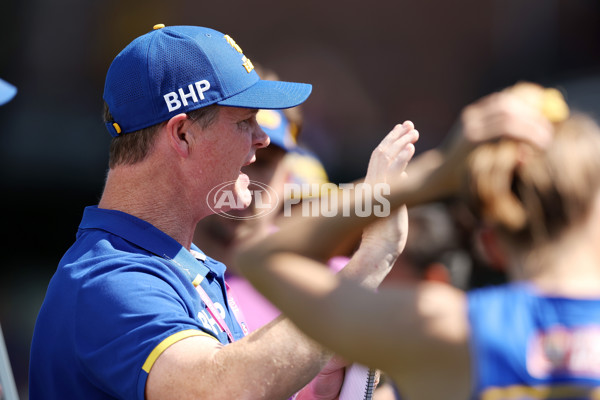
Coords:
217,316
215,313
239,316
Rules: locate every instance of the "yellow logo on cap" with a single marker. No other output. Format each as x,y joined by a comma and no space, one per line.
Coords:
245,61
233,44
247,64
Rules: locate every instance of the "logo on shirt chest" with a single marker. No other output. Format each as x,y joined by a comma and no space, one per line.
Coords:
207,320
562,350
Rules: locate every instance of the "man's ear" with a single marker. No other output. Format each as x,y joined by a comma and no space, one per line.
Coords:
179,134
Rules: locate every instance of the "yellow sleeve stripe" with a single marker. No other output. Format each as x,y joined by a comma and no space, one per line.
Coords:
174,338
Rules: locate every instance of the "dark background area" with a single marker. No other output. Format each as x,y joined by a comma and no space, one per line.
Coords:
372,64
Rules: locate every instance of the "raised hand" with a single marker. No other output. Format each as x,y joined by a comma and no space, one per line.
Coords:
514,113
505,114
388,162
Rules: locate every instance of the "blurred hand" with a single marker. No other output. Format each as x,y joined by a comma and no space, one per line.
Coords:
328,383
504,114
388,162
495,116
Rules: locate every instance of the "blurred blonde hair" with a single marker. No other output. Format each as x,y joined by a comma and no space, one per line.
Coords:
531,196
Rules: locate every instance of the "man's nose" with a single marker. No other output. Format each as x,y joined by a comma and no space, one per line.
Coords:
261,139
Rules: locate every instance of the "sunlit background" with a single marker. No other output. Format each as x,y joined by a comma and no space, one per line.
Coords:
372,64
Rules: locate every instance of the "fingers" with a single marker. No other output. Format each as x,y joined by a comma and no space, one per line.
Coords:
377,377
404,150
505,115
401,150
393,153
522,127
399,131
403,138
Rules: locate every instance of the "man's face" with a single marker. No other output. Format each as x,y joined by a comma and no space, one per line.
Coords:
230,143
269,170
217,234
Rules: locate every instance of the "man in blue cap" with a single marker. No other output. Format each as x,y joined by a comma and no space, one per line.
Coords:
135,310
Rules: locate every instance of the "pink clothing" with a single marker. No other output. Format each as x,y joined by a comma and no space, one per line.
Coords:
337,263
257,310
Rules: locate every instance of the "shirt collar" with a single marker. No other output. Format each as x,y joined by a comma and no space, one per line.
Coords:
147,236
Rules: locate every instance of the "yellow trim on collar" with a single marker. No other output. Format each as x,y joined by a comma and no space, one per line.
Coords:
199,278
174,338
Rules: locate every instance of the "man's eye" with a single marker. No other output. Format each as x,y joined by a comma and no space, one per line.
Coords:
245,122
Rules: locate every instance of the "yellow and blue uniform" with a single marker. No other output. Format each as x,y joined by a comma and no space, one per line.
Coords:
120,296
526,345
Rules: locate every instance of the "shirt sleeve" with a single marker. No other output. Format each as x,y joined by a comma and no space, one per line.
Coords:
126,317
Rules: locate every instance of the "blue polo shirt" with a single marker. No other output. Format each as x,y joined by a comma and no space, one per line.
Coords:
121,295
527,345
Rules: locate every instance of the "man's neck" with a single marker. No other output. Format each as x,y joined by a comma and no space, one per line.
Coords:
158,202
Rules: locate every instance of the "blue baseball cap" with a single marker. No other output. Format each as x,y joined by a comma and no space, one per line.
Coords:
172,70
276,125
7,92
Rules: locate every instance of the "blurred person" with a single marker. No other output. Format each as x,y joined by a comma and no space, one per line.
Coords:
531,173
8,388
431,249
135,309
478,267
283,161
432,253
219,235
